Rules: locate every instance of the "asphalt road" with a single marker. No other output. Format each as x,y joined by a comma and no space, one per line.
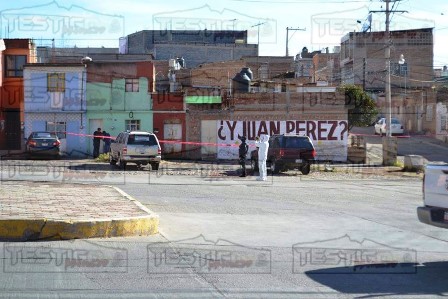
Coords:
332,236
425,146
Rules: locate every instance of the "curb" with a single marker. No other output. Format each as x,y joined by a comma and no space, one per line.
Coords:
54,229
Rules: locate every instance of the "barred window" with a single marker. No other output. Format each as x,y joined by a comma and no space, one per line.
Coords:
14,65
132,85
132,125
58,128
56,82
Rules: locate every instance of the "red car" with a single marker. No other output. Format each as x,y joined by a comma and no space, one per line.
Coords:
287,152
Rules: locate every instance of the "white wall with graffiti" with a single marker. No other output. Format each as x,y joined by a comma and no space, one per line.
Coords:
329,136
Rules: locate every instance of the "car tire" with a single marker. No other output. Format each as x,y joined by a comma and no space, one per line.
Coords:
111,159
254,164
275,167
305,169
121,163
155,166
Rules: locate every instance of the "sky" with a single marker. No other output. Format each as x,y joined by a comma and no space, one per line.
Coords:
320,24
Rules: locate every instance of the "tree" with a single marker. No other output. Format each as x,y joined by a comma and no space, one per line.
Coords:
362,110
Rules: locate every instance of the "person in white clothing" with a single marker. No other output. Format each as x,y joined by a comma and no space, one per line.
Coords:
263,145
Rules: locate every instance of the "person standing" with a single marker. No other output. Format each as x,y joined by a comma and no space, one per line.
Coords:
243,148
262,143
106,140
96,142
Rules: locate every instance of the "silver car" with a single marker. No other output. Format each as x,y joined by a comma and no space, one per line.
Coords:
396,127
136,147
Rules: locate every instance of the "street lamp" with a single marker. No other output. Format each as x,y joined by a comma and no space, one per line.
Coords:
258,40
233,22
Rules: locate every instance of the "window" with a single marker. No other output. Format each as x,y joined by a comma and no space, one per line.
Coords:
132,125
443,123
399,69
56,82
14,65
142,139
57,127
131,85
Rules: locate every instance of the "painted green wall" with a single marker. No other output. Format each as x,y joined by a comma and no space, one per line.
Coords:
111,104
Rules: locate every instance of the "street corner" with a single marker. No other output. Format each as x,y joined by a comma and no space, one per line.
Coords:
47,212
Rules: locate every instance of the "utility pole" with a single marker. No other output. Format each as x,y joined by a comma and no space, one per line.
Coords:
388,89
287,36
387,58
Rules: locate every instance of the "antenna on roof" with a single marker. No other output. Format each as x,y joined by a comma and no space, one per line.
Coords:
53,50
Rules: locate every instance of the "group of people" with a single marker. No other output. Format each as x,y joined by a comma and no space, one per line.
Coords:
99,135
262,143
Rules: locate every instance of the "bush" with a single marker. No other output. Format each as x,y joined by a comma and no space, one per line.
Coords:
103,158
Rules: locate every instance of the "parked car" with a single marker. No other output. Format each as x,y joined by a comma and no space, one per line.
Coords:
435,196
43,144
287,152
136,147
396,127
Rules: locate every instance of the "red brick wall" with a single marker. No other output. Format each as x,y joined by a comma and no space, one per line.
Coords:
167,102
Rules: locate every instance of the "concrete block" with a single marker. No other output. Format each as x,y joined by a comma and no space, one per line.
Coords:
414,162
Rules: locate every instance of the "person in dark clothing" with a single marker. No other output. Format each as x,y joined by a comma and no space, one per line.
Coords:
243,149
97,136
106,140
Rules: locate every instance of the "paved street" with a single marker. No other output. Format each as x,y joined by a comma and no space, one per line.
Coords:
426,146
325,235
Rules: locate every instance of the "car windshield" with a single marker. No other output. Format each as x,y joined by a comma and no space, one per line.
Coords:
395,121
142,139
297,142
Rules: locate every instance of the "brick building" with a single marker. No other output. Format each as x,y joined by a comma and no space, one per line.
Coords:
363,62
195,46
413,98
327,68
14,54
320,115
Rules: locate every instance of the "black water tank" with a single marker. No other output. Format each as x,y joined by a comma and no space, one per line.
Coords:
241,83
248,72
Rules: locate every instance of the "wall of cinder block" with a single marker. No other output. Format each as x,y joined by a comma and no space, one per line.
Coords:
266,107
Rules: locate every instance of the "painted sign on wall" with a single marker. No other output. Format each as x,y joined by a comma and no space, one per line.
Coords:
329,136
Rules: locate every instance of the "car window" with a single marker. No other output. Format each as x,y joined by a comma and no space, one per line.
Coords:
43,135
297,142
120,138
395,121
142,139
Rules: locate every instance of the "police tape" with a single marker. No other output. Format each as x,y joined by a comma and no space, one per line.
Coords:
375,135
162,141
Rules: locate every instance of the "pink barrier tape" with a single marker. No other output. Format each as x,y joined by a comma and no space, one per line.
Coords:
162,141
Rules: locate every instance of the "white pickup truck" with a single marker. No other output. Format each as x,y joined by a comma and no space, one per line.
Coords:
435,196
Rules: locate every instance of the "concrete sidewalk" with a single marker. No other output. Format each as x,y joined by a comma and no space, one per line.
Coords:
47,211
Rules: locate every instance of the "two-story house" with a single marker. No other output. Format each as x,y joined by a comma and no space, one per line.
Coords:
119,96
14,54
55,101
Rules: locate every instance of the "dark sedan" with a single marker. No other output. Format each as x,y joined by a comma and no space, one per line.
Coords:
43,144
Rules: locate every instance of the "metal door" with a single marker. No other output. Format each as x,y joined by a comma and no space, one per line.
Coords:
172,133
13,132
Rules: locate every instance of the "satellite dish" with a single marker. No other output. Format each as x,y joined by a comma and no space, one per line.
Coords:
367,24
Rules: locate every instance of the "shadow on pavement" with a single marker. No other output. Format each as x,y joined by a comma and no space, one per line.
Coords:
426,278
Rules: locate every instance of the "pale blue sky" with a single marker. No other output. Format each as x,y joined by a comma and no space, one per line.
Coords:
101,23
